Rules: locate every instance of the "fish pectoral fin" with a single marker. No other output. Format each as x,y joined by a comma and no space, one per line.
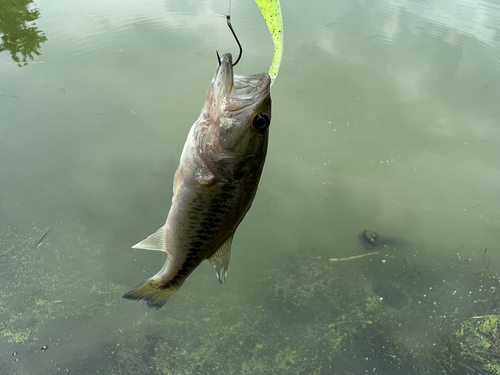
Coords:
220,259
153,242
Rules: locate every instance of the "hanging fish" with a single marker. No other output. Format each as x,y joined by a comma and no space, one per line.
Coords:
215,183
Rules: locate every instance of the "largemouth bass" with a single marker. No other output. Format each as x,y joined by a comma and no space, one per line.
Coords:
215,183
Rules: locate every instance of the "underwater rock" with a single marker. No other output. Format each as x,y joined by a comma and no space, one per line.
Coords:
370,239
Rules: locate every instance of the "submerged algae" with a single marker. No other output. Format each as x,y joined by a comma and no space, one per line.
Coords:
474,346
51,281
479,339
311,316
19,336
305,316
303,324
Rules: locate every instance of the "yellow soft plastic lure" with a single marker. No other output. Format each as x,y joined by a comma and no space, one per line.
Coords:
271,11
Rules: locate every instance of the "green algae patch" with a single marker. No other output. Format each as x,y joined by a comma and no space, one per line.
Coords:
301,324
475,346
60,278
285,359
311,316
17,337
305,315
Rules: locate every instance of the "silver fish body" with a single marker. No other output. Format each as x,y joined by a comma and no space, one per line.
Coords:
215,183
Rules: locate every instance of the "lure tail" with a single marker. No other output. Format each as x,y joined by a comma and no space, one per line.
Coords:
271,10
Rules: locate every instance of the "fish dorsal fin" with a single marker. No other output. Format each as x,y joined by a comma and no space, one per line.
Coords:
220,259
153,242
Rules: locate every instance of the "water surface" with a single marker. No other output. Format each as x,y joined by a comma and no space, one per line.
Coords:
385,117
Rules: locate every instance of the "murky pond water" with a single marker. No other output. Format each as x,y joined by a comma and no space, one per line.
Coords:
385,118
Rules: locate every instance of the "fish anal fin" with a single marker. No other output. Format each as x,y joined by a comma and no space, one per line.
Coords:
155,241
220,259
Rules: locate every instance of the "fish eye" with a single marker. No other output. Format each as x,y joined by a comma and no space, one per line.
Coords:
261,121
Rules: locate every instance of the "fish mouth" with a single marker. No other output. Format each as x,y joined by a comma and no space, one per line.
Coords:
240,90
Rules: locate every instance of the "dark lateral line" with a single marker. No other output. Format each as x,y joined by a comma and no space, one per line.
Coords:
41,238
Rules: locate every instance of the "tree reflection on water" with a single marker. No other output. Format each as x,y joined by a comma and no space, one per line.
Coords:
18,32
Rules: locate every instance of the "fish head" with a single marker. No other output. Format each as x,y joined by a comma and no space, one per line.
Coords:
237,115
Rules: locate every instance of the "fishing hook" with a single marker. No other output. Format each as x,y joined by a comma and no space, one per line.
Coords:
228,18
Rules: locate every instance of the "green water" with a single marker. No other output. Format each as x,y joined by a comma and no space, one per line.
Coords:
385,117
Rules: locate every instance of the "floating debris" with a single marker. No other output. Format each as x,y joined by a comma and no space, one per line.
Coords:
5,326
353,257
42,238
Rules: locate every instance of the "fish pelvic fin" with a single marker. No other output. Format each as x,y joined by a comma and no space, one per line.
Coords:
156,241
155,293
220,259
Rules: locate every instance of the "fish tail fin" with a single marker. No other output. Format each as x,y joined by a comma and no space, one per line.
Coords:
155,293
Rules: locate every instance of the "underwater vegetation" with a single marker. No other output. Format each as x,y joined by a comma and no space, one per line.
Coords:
322,318
38,285
50,296
474,347
388,313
